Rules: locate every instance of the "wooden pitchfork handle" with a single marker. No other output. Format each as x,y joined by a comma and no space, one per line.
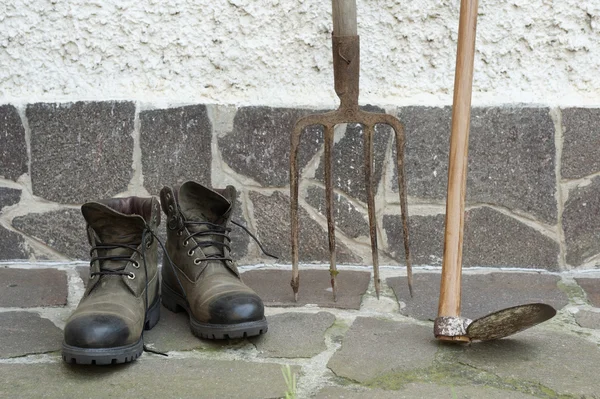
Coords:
450,289
344,17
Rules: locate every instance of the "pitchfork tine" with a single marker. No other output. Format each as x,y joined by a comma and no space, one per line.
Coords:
328,159
402,192
345,45
295,142
368,151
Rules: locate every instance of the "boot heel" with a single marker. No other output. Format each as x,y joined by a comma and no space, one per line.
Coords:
170,303
153,315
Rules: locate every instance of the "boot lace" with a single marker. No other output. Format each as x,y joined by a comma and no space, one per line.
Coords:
220,231
213,229
121,271
124,258
147,236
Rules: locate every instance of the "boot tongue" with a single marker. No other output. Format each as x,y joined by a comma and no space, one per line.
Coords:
113,227
201,204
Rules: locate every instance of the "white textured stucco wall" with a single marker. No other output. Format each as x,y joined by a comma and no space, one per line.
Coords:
276,52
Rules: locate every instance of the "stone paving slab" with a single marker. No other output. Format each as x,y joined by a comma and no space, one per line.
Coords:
481,293
422,390
348,393
149,377
292,335
26,288
591,286
375,347
377,357
24,333
172,333
273,286
587,319
564,363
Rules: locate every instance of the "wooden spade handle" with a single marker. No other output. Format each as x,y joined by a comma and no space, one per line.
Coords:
450,290
344,17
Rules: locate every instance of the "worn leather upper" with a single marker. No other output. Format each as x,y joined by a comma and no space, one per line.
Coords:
213,288
112,310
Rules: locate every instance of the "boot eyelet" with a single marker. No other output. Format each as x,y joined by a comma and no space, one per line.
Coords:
197,261
171,209
135,264
185,243
168,195
131,276
180,233
191,252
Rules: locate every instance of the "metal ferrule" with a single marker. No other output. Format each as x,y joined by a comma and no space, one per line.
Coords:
346,69
451,326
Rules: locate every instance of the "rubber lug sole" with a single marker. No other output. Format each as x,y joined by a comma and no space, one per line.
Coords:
175,303
118,355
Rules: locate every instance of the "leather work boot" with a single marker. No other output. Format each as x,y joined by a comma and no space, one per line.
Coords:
122,298
202,279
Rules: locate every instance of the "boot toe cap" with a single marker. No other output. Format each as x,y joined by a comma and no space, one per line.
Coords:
237,308
97,331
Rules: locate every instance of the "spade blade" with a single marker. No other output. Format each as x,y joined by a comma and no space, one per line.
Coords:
509,321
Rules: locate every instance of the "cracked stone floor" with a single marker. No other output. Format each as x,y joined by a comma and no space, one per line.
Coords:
357,347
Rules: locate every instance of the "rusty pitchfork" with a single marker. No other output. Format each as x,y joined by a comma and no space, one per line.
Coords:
346,71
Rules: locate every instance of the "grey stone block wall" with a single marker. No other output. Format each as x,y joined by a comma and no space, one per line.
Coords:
176,146
533,183
13,151
80,151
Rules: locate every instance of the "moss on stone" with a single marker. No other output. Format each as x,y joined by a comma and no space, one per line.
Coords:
459,374
338,328
574,292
